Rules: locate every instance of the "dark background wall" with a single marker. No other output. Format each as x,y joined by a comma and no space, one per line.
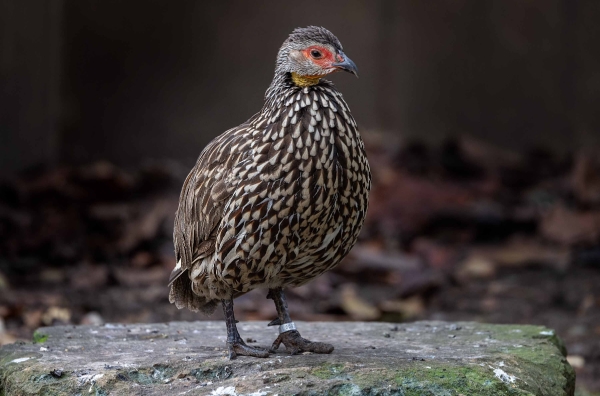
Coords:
30,76
126,81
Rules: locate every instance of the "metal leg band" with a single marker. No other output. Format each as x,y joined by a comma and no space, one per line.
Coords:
287,327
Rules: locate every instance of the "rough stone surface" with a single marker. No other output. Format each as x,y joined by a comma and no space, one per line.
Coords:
181,358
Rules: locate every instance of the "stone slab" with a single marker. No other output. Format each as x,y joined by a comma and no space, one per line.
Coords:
188,358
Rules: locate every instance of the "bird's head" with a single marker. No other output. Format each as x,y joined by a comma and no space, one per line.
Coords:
311,53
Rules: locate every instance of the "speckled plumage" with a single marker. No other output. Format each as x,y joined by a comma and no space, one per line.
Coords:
276,201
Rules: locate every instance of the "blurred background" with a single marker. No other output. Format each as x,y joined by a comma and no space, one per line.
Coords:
480,118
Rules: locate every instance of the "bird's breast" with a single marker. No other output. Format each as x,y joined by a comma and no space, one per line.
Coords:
303,183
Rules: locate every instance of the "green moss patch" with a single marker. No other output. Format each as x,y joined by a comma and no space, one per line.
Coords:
39,338
328,371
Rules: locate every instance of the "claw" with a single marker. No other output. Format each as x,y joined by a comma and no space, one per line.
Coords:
237,349
275,322
276,344
294,344
232,354
294,351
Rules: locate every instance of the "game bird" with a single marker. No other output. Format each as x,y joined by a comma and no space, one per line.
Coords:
278,200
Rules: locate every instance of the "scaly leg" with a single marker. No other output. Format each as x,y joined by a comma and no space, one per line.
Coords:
294,343
235,344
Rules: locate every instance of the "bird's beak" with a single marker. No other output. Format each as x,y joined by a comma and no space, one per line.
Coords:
346,64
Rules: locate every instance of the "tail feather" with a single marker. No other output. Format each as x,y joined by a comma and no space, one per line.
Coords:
176,273
182,296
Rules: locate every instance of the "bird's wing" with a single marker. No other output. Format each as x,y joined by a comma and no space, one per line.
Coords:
204,195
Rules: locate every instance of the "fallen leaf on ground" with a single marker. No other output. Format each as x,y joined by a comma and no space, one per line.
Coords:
570,227
357,307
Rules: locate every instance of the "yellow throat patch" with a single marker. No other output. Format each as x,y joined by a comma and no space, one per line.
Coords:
305,81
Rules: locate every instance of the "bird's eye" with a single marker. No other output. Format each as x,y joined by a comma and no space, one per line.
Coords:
316,54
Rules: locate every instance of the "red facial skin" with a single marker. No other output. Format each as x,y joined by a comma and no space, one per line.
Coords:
327,58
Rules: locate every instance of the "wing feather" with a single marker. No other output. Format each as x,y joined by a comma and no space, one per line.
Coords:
203,198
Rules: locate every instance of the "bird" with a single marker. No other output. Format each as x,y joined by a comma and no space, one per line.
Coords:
277,200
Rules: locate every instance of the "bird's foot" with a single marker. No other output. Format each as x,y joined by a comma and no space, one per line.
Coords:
241,349
294,343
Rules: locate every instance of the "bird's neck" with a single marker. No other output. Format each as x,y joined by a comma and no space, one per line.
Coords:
305,81
283,83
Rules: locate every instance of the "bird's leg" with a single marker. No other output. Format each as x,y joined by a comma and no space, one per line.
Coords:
235,344
288,335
